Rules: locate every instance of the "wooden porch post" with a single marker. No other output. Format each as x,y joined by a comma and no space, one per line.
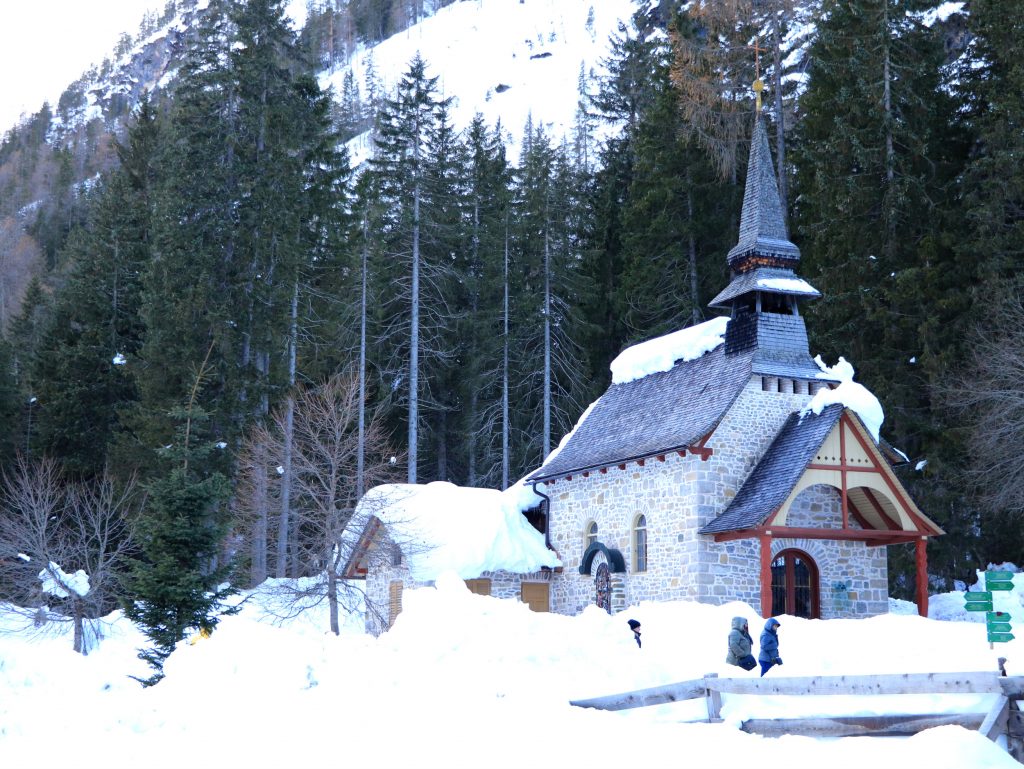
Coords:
766,575
921,561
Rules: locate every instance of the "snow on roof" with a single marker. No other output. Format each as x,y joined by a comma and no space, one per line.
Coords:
662,353
469,530
850,394
787,284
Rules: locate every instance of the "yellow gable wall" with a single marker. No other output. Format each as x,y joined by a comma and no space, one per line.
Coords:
874,465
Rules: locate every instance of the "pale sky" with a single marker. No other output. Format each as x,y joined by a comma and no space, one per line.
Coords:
47,44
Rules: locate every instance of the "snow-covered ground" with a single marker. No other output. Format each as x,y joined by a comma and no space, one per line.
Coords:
467,681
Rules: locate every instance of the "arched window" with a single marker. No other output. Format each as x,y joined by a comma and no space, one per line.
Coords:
590,535
640,543
795,585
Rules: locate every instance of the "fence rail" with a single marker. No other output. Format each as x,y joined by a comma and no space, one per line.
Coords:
1002,719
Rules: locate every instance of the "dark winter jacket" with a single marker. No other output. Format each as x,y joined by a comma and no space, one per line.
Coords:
769,642
740,642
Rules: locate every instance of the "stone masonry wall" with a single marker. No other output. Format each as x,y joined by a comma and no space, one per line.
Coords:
678,496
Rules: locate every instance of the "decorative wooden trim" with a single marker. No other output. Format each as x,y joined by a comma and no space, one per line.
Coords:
860,518
889,522
640,462
899,492
793,532
842,477
354,568
622,466
586,474
661,457
604,470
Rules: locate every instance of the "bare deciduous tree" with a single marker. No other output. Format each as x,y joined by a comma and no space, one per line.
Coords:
990,395
325,464
64,546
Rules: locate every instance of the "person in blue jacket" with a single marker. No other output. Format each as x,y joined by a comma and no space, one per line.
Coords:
768,656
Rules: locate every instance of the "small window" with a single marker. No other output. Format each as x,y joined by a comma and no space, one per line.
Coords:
591,535
640,543
396,555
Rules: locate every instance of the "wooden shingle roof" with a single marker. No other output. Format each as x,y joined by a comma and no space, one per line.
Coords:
656,414
767,487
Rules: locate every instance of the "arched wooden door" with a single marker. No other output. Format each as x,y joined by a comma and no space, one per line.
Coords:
603,587
795,589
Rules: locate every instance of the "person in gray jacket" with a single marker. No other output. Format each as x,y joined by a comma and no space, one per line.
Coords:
769,654
740,644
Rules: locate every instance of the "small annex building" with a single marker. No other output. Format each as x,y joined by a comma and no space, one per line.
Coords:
724,463
405,536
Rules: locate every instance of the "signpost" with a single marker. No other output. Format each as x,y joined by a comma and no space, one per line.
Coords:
997,623
999,580
978,601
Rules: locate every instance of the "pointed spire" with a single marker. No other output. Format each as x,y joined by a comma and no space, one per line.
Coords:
763,238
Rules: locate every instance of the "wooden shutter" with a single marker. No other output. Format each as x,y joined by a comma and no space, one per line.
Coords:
395,602
536,595
479,586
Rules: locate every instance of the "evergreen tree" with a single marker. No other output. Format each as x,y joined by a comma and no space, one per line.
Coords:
411,314
84,365
178,582
875,162
989,80
675,221
550,284
483,365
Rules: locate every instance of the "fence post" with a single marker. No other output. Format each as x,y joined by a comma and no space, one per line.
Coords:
713,699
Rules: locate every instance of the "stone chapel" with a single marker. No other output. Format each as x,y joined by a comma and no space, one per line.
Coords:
712,481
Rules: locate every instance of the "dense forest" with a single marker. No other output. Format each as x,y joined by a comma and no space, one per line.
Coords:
172,325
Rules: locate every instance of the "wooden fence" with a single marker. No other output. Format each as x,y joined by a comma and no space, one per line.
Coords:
1002,719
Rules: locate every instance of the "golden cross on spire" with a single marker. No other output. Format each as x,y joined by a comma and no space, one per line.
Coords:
758,83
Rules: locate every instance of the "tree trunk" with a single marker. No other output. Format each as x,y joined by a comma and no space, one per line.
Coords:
504,374
414,340
76,608
692,253
258,546
361,445
546,442
332,595
289,436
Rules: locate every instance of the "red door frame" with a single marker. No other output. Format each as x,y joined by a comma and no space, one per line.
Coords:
815,581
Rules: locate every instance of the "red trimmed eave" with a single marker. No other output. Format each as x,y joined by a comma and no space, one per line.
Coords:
870,537
354,569
698,449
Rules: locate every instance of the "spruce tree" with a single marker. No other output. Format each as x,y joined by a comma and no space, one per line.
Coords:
875,163
411,313
177,583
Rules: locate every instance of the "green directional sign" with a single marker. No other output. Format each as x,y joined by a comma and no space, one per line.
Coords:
999,580
978,601
998,622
